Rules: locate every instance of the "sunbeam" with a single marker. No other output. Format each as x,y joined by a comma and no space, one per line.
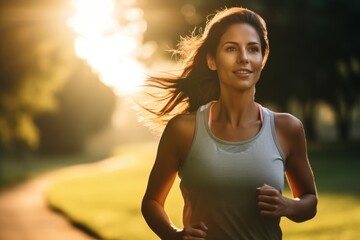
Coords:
110,43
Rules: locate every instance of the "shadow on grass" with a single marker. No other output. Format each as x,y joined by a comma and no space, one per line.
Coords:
85,229
336,167
80,226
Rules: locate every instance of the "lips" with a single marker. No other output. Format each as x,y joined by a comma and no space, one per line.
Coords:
243,71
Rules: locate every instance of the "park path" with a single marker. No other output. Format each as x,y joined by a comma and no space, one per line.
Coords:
24,214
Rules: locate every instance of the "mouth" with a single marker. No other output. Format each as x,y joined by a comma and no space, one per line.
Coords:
242,72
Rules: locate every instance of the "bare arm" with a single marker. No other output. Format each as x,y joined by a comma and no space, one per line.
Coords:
168,159
299,174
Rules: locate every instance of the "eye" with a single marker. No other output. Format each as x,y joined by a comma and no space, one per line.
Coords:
230,49
254,49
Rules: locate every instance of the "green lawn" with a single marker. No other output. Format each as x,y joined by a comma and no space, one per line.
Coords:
107,201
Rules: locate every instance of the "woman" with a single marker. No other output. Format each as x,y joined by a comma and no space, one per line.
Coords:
230,152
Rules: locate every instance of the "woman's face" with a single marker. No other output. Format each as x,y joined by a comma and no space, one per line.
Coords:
238,59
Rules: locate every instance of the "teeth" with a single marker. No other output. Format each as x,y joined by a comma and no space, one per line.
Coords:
243,71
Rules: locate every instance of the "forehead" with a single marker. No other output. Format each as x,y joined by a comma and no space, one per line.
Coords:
240,32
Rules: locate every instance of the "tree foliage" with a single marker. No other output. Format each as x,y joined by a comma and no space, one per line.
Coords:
35,55
40,73
85,105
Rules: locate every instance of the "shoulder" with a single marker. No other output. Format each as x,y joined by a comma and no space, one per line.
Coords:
178,133
181,123
289,131
287,123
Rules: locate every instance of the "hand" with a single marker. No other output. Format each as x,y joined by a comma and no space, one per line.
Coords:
271,202
194,232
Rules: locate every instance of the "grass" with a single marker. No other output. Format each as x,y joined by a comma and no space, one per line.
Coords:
107,201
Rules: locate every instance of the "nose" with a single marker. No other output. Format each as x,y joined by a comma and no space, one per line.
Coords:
242,57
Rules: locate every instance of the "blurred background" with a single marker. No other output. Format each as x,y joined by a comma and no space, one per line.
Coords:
71,69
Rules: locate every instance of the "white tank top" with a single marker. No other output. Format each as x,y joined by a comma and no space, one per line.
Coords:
219,180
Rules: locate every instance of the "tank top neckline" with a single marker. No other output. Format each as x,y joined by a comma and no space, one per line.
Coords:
208,119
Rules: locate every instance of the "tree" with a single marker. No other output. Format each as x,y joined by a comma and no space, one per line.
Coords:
38,70
85,105
36,51
314,57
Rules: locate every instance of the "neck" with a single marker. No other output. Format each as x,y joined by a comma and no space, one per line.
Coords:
237,109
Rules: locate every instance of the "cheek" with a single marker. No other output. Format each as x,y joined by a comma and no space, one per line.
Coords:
257,63
225,61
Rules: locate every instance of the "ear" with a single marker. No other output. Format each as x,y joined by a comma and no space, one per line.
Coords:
211,62
265,58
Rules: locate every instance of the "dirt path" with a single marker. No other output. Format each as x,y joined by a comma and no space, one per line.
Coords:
24,214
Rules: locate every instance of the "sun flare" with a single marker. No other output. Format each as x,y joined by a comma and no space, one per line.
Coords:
110,48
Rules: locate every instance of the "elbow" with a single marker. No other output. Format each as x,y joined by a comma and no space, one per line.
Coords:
312,210
308,211
144,204
311,214
147,207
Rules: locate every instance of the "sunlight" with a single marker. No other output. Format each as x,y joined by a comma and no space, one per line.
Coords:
110,48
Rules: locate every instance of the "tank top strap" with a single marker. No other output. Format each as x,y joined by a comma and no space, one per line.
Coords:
260,113
210,112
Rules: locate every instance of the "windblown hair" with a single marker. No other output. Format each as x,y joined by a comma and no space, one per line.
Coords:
197,85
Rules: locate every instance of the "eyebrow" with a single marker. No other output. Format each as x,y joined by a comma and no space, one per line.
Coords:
232,42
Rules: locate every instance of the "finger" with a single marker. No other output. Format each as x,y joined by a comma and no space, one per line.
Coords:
266,206
192,238
200,225
203,226
268,191
194,232
268,199
265,186
266,213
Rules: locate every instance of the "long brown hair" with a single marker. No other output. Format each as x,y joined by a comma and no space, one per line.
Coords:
197,85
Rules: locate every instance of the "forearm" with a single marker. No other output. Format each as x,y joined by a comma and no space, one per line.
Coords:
303,208
158,220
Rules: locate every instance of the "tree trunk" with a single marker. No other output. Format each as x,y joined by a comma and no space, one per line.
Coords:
343,110
309,120
343,128
343,124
